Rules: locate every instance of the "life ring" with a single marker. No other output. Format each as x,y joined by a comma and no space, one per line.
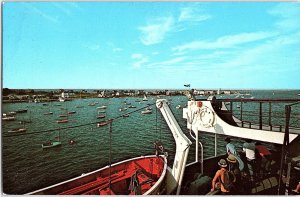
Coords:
206,117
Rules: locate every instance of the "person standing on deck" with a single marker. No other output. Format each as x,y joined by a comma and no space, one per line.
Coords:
233,167
249,150
230,148
265,157
219,176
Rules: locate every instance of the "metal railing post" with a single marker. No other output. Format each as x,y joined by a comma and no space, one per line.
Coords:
260,115
270,115
241,111
215,144
285,145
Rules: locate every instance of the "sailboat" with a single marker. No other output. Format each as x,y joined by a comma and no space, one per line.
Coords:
51,144
26,121
63,115
145,98
49,112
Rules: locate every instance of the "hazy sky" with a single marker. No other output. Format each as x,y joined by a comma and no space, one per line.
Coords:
151,45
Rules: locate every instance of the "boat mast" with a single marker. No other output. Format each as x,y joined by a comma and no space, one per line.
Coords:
182,143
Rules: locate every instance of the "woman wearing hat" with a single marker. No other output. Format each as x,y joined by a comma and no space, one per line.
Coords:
219,176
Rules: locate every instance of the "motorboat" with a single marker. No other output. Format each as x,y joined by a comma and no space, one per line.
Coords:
62,121
147,111
17,130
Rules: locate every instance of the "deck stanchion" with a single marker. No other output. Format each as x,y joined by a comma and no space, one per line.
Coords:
260,115
241,111
197,145
284,145
270,115
215,144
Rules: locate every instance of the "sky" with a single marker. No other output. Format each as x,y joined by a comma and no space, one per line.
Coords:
151,45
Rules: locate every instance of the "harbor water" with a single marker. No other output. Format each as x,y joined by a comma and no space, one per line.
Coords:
27,167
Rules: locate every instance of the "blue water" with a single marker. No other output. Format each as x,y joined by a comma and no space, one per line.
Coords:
27,167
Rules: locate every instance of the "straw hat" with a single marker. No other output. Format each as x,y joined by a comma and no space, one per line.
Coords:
231,158
222,163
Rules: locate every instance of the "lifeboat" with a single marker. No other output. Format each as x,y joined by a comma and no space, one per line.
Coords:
138,176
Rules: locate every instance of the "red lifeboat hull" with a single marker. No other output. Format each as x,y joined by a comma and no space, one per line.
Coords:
141,175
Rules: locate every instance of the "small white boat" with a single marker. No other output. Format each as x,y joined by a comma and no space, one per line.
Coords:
123,109
62,121
9,118
147,111
48,113
102,107
126,115
131,106
11,113
17,130
178,107
91,104
101,124
100,116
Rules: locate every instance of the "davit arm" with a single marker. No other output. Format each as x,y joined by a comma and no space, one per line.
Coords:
182,143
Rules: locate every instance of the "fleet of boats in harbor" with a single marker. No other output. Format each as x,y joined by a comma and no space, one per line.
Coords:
150,174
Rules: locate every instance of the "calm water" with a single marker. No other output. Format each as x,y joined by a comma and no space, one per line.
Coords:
27,167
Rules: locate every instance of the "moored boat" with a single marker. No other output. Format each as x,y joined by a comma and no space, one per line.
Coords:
102,123
123,109
22,110
62,121
9,118
17,130
102,107
125,115
100,116
51,144
147,111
